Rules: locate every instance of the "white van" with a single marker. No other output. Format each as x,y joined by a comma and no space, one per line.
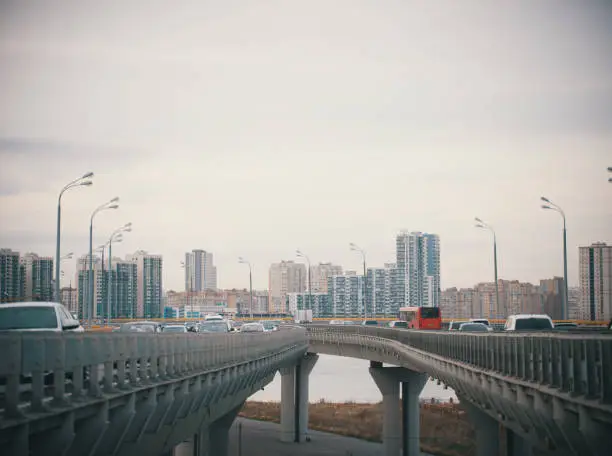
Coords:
37,316
529,322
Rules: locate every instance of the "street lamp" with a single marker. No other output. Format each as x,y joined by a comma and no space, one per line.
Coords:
117,236
68,256
483,225
355,248
243,261
80,182
112,204
553,207
189,297
300,254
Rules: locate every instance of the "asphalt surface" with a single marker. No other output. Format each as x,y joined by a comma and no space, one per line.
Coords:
262,438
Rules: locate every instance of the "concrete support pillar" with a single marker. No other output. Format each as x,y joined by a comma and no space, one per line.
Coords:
412,385
487,430
516,445
388,383
306,366
287,404
218,434
186,448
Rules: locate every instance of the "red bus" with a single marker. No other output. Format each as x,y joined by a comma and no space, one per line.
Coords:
421,317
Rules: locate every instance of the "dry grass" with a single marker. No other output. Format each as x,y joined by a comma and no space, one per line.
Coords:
445,430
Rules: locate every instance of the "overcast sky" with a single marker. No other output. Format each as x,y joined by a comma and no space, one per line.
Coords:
257,127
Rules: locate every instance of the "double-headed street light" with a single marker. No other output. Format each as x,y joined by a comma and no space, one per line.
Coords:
117,236
189,297
112,204
553,207
481,224
82,181
355,248
243,261
300,254
68,256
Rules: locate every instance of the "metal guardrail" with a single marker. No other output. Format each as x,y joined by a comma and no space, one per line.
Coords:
42,370
576,363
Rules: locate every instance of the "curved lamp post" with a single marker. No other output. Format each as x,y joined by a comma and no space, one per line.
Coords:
117,236
355,248
483,225
243,261
80,182
112,204
300,254
553,207
189,297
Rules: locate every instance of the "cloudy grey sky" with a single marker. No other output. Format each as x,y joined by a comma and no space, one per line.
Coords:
256,127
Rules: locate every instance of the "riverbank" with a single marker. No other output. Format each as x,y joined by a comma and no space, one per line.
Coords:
445,429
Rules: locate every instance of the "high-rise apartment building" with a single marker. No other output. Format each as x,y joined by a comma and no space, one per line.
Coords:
200,271
345,295
459,303
82,281
551,291
149,283
285,277
319,273
317,302
123,277
595,263
12,277
418,257
69,298
38,277
382,291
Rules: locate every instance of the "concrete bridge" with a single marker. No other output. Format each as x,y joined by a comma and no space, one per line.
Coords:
132,393
119,394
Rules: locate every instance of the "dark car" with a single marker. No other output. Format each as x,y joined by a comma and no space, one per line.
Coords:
473,327
369,323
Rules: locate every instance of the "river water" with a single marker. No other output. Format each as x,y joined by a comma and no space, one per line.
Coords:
340,379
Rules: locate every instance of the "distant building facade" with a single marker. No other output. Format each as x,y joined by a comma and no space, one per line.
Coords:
418,257
12,276
595,266
149,284
319,274
285,277
200,271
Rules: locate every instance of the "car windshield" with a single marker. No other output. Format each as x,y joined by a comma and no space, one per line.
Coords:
473,327
532,323
370,322
400,324
175,329
213,326
30,317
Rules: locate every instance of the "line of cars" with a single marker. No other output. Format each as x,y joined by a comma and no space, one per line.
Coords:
210,324
519,322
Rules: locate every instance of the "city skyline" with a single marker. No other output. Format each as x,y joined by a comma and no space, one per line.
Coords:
253,131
